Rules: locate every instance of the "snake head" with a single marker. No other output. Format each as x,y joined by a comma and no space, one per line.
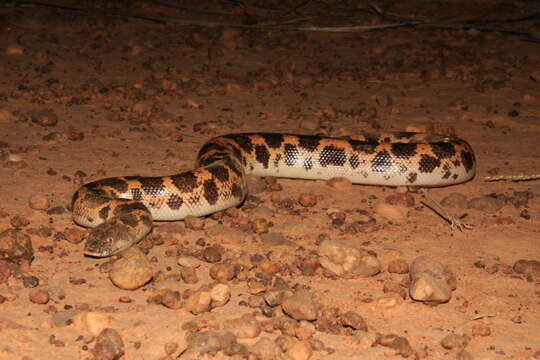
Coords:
107,239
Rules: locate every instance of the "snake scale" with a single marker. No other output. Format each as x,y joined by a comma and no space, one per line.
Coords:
120,210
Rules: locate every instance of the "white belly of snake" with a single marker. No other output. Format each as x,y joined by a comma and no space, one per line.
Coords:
120,210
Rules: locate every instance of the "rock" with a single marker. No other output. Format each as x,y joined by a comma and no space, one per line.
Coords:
430,281
189,275
455,200
207,298
132,271
39,202
353,320
225,235
299,351
260,225
44,117
109,345
74,235
527,267
307,200
39,296
304,330
243,328
189,262
300,306
92,321
479,330
211,341
16,247
212,254
19,221
389,301
265,349
276,239
396,288
398,266
398,343
171,299
222,272
454,341
391,212
489,204
347,261
339,183
194,223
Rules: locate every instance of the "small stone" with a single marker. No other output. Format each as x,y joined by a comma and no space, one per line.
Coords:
275,239
92,321
464,355
16,247
431,281
264,349
339,183
14,49
479,330
194,223
389,301
212,254
74,235
30,281
455,200
39,202
310,123
487,204
307,200
353,320
19,221
39,296
400,199
299,351
391,212
398,266
300,306
454,341
395,288
527,267
222,272
347,261
243,328
109,345
189,262
132,271
189,275
260,226
304,330
44,117
398,343
209,342
171,299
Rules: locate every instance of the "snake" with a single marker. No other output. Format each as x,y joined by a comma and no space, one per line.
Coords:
120,211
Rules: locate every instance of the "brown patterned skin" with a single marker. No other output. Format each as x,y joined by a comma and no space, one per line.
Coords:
120,210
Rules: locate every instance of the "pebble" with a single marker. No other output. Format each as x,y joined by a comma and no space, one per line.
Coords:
132,271
39,296
44,117
18,221
353,320
194,222
255,184
276,239
339,183
222,272
39,202
92,321
527,267
391,212
212,254
189,275
208,298
171,299
399,344
347,261
109,345
299,351
389,301
264,349
15,49
430,281
480,330
16,247
260,225
307,200
305,330
396,288
488,204
454,341
454,200
398,266
189,262
400,199
243,328
211,341
300,306
74,235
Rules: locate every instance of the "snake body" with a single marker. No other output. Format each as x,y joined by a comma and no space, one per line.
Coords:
120,210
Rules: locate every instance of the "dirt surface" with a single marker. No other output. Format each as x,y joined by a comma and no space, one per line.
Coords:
86,95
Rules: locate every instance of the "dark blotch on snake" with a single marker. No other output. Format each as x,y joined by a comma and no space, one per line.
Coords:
237,192
129,219
243,140
443,150
152,185
468,160
308,163
332,155
308,142
136,194
428,163
404,150
174,202
219,172
129,207
382,162
104,212
365,147
354,161
185,182
291,155
273,141
210,191
262,155
119,185
411,178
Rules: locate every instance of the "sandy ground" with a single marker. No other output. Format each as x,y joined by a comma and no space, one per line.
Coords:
85,96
